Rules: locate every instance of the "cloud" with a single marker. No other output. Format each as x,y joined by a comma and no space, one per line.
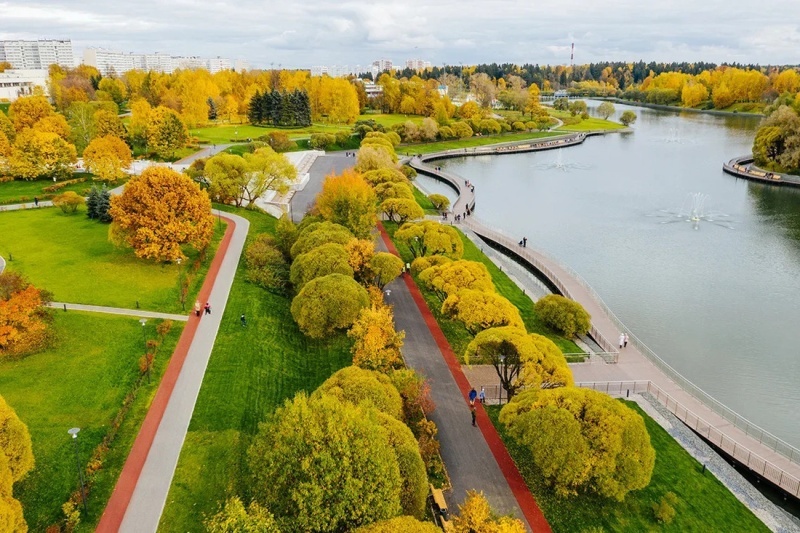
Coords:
301,34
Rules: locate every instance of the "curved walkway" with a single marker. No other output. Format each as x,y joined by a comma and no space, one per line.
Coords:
139,313
141,490
743,167
763,453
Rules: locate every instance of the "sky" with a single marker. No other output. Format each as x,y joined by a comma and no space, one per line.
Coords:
300,34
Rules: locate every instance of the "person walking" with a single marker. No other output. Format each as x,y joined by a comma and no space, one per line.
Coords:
208,308
524,242
625,344
474,416
482,395
243,319
197,308
35,201
621,340
472,395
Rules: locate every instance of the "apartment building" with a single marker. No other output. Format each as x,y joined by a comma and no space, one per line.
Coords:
35,55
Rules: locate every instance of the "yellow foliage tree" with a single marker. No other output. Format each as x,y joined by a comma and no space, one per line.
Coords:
693,94
479,310
108,123
107,158
348,200
55,124
166,132
15,443
376,342
360,253
159,211
27,111
41,154
431,238
11,517
451,277
475,514
7,127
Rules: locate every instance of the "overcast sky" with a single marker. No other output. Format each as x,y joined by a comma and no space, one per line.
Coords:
302,33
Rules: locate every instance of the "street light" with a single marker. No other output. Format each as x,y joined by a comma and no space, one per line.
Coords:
74,433
143,321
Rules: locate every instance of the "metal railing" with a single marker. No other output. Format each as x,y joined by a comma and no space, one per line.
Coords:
738,451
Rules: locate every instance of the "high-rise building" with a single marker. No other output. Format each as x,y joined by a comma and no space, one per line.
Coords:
112,61
380,65
33,55
319,70
417,64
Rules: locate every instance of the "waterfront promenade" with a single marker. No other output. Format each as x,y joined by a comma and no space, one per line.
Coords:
637,369
743,167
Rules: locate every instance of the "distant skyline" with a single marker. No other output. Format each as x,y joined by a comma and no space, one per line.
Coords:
312,32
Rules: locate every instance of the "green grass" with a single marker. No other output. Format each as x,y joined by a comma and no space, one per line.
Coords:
472,142
19,191
4,107
71,256
423,201
592,124
388,120
81,382
457,335
704,504
252,370
226,133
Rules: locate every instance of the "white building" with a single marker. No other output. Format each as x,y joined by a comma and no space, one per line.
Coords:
17,82
417,64
34,55
216,64
319,70
241,65
112,61
380,65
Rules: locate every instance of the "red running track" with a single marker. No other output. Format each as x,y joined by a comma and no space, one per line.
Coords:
525,499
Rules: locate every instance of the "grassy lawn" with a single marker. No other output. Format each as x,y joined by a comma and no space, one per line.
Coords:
423,201
252,370
71,256
19,191
226,133
79,382
592,124
388,119
704,504
457,335
405,149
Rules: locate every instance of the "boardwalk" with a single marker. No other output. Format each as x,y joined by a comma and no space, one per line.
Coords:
638,368
743,167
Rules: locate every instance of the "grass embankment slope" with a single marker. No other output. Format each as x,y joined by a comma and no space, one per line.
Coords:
71,256
457,335
704,504
252,370
21,192
80,382
472,142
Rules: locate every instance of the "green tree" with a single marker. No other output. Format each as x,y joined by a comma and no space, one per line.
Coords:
267,170
266,264
317,234
406,524
564,315
431,238
166,132
439,201
414,489
227,176
384,191
628,117
385,175
453,276
328,303
330,258
80,117
582,440
285,235
363,388
605,110
323,465
235,518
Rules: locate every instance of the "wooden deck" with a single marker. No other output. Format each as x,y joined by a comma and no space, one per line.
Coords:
637,368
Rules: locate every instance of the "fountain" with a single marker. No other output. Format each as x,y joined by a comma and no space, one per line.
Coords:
693,211
559,163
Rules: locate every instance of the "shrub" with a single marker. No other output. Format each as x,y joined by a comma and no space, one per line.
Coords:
439,201
423,263
564,315
280,142
401,209
266,265
328,303
321,141
330,258
69,201
408,171
664,510
364,388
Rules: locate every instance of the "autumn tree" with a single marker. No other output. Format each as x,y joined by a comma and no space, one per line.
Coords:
376,343
451,277
107,158
266,170
373,158
24,316
161,210
385,268
7,127
431,238
266,264
38,154
627,118
475,514
323,465
15,443
439,201
25,112
777,141
227,176
69,201
359,256
328,303
285,235
108,123
234,517
605,110
364,388
317,234
165,132
582,440
11,515
348,200
385,175
406,524
479,310
55,124
564,315
330,258
401,209
384,191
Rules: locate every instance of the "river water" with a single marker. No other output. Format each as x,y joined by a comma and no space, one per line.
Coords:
718,298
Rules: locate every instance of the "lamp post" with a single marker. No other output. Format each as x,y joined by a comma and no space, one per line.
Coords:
143,321
500,390
74,433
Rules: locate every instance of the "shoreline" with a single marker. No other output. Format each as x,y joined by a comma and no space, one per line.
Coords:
662,107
